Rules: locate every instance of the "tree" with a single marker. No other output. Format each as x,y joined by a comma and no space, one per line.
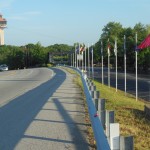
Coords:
115,30
111,31
143,55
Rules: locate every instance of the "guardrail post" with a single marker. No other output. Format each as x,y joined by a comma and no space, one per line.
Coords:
96,102
92,88
95,94
114,136
110,118
88,80
126,143
100,137
90,83
101,111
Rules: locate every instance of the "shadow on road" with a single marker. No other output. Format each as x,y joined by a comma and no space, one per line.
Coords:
17,115
77,137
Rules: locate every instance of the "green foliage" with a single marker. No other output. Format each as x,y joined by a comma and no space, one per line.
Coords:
50,65
59,48
12,56
129,113
115,30
31,55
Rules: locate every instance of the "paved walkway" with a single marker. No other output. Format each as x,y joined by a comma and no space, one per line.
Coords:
59,124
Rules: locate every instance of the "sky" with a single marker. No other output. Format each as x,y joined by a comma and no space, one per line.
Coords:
67,21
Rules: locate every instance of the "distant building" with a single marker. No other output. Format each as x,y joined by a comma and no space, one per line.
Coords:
3,24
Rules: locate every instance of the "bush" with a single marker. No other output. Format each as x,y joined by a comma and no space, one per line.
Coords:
50,65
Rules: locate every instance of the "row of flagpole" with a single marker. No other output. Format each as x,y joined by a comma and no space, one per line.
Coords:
84,66
76,64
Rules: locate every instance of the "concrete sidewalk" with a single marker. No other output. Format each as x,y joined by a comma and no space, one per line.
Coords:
60,124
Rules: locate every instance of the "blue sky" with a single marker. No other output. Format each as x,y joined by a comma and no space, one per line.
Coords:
67,21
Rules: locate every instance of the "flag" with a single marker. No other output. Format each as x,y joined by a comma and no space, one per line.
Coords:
144,44
124,45
91,49
82,48
108,48
115,47
101,48
77,49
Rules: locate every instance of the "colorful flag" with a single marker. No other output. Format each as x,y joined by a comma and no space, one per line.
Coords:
82,48
144,44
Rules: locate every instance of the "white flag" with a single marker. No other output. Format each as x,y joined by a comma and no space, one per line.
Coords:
108,48
115,47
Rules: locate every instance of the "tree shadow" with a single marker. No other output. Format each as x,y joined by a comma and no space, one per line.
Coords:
139,114
17,115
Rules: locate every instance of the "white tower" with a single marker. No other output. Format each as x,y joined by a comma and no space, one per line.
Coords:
3,23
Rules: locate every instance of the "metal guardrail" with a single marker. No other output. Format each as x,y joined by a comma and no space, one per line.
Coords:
100,137
106,131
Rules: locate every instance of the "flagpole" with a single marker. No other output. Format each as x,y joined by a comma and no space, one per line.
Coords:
102,62
125,71
82,61
75,58
85,60
92,64
108,65
116,63
88,60
71,60
78,61
136,68
108,72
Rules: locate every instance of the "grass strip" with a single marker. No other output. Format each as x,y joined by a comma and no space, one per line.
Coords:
129,113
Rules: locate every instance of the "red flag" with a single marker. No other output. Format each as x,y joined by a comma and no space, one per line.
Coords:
145,43
82,48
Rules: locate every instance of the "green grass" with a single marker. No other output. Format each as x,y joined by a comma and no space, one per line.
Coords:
129,113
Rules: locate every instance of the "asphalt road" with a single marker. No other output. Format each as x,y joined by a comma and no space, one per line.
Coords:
41,109
143,82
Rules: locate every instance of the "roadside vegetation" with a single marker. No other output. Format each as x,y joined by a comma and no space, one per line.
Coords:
36,55
129,113
32,55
